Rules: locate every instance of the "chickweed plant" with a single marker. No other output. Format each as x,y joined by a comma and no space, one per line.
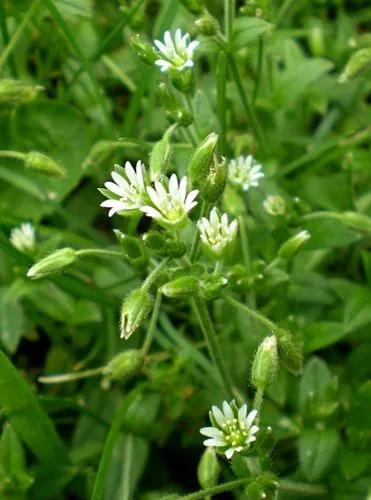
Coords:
185,222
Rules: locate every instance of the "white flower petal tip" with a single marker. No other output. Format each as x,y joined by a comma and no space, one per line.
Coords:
216,233
126,192
232,429
244,172
171,204
175,52
23,237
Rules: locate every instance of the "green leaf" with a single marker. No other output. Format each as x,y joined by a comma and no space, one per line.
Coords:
325,232
11,321
357,311
27,418
317,449
353,463
322,334
247,29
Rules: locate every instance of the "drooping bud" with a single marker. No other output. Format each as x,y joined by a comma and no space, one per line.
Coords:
132,247
290,352
14,92
54,263
207,25
357,221
202,161
359,61
208,469
175,112
159,157
43,164
292,245
135,308
193,6
125,365
143,49
185,286
265,363
216,181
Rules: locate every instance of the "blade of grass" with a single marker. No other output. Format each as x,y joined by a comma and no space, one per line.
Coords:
83,60
5,34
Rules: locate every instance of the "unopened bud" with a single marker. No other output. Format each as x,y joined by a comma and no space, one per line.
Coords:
159,158
43,164
185,286
212,285
216,181
255,491
265,363
208,469
290,352
175,248
54,263
174,111
316,41
14,92
359,61
135,308
143,49
292,245
202,161
193,6
155,241
125,365
357,221
207,25
132,247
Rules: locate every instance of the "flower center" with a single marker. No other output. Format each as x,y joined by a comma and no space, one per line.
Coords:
235,432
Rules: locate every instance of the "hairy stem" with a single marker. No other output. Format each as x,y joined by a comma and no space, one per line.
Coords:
98,252
152,324
151,278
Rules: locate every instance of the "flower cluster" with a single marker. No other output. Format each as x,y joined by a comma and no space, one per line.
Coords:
244,172
23,237
232,429
176,52
168,202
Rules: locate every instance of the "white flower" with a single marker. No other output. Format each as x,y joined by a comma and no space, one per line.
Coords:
23,237
175,53
232,429
171,205
216,232
245,172
275,205
127,190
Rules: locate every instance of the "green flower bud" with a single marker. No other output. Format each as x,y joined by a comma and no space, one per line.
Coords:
208,469
155,241
174,111
255,491
175,248
359,61
233,202
132,247
193,6
316,41
184,80
125,365
185,286
216,181
207,25
212,285
202,161
102,152
159,157
290,352
43,164
357,221
143,49
13,92
54,263
292,245
265,364
134,310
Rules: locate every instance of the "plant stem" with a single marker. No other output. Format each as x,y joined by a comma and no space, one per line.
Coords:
13,154
212,341
258,399
98,252
303,488
259,69
231,485
152,324
244,243
249,110
253,314
22,25
70,377
228,18
221,102
151,278
5,33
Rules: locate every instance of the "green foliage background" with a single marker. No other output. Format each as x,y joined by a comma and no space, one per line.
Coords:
143,436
